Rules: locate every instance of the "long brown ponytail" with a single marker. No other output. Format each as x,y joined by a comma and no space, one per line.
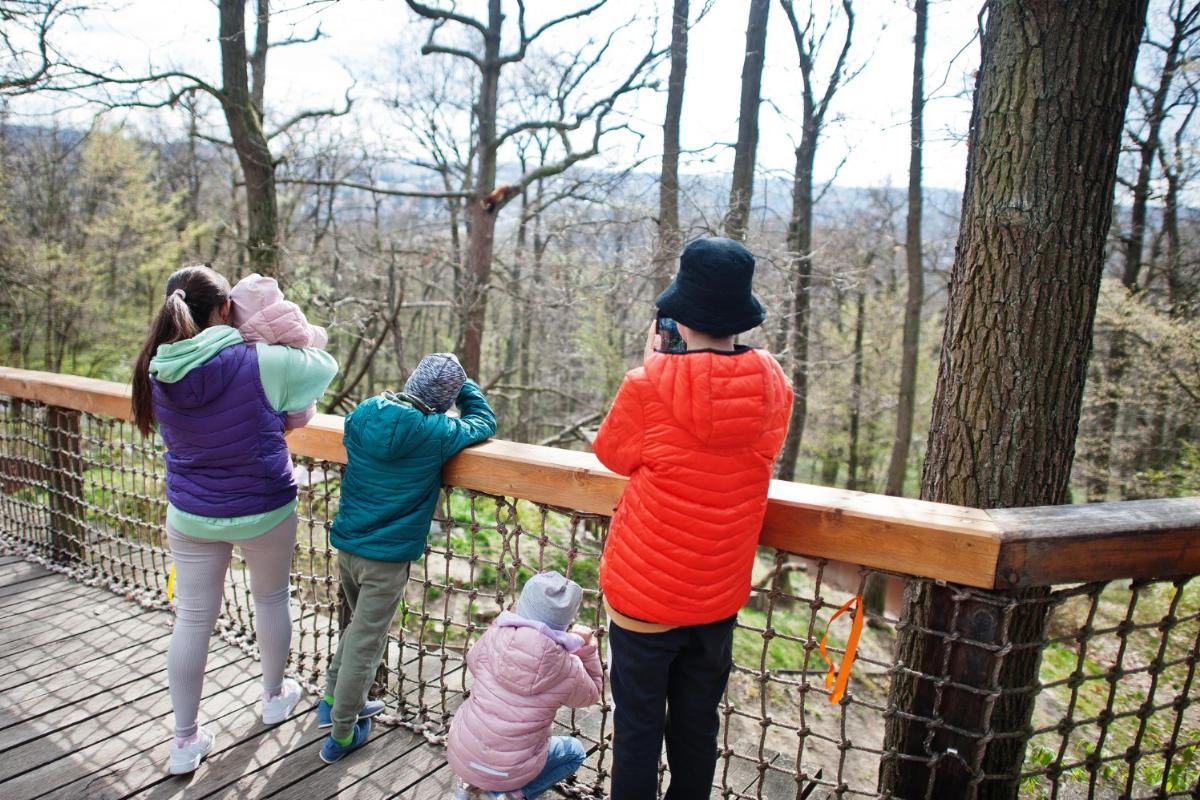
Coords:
193,294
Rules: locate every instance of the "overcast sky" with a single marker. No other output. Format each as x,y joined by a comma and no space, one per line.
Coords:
868,136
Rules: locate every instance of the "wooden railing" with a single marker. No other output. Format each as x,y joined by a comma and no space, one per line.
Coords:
985,563
987,549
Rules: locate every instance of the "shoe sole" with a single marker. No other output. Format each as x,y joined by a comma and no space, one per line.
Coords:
343,755
173,771
360,716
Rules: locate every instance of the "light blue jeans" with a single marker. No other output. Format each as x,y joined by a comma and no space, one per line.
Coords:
566,754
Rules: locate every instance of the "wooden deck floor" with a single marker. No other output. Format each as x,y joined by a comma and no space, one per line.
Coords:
84,712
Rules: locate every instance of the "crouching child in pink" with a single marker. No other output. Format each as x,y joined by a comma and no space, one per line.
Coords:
262,315
526,666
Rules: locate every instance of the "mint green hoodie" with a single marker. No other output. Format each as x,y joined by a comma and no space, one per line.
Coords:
291,378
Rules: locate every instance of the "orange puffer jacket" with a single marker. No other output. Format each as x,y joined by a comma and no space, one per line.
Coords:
697,433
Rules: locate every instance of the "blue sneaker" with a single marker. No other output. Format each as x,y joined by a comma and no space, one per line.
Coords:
325,712
331,751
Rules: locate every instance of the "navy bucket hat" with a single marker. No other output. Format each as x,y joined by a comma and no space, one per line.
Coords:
711,293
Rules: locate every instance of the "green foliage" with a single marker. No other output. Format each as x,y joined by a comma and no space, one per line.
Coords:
90,233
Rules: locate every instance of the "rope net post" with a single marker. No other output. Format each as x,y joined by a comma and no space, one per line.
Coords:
65,468
963,692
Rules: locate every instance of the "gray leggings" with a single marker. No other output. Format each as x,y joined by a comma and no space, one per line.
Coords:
200,569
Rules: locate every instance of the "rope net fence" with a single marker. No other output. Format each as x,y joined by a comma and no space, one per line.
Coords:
1110,667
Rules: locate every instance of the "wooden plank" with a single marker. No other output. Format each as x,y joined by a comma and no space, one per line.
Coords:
563,478
50,610
436,783
913,537
301,773
20,573
1047,545
75,624
114,765
44,593
68,391
28,722
99,674
82,647
11,590
386,746
242,747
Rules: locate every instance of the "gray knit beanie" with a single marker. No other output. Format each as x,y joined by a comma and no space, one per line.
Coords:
437,381
550,598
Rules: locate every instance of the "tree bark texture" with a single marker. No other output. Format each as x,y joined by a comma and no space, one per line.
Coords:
249,141
669,239
742,187
906,399
1045,135
482,216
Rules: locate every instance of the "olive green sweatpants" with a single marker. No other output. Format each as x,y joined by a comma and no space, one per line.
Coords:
373,589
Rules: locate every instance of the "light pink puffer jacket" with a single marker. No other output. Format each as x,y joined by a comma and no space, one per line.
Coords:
523,673
262,315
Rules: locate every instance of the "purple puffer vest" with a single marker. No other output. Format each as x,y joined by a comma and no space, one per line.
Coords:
226,456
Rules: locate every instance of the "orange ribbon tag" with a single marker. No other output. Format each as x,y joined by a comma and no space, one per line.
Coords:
843,673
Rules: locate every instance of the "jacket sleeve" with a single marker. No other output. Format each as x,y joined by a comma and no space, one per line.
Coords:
618,443
586,677
293,378
476,421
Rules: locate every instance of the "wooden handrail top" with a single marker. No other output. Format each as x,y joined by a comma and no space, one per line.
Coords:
999,548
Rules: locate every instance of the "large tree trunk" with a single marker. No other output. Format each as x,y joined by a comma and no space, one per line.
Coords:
906,400
1045,134
249,140
482,215
742,187
669,240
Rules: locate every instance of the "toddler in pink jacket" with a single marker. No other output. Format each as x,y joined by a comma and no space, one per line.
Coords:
262,315
526,666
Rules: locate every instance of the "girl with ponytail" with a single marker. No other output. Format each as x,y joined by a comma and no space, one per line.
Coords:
220,405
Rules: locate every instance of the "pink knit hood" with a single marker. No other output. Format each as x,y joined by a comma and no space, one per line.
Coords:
523,674
262,315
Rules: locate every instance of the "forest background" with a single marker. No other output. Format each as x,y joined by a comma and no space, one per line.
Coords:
496,178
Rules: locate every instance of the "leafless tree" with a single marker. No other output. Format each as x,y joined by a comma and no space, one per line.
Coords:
486,197
243,81
810,39
906,402
669,239
741,188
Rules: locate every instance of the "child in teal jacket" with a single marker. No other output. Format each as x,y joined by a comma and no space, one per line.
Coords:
396,445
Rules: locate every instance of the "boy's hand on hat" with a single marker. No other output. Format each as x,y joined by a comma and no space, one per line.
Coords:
652,340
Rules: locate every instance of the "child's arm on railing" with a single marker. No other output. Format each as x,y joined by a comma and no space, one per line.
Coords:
476,421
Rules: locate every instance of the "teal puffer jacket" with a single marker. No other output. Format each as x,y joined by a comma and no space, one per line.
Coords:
394,470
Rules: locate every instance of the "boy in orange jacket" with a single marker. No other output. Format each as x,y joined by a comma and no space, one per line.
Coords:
697,432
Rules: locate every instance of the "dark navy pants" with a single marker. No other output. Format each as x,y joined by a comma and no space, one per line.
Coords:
667,685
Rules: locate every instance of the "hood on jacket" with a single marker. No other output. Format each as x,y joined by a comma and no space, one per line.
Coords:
720,398
262,315
388,426
531,663
178,367
568,641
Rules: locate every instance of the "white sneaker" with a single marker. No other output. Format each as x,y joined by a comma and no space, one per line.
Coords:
186,758
279,707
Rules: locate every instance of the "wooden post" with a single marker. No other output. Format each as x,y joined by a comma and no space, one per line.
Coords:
65,463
